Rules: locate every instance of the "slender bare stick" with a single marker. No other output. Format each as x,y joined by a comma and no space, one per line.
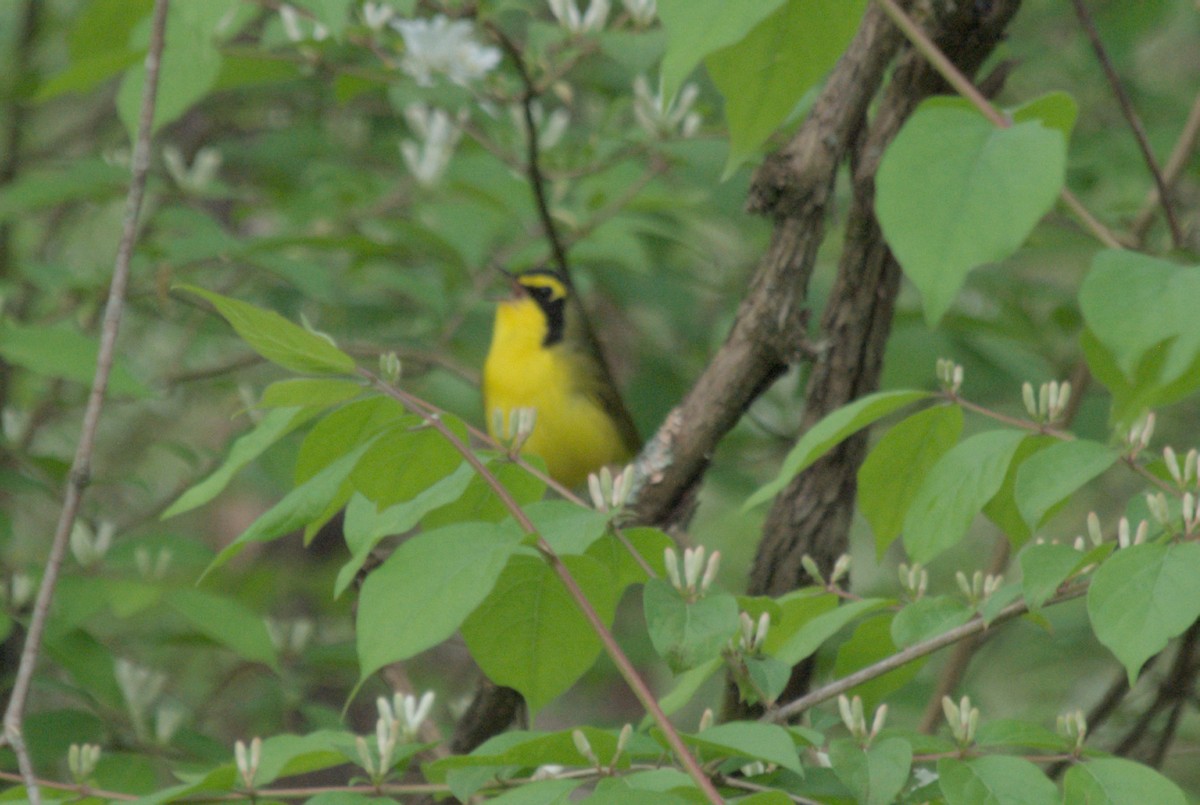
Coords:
1131,117
77,479
963,86
1176,162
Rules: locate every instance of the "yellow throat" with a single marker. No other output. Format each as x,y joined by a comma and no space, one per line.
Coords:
540,358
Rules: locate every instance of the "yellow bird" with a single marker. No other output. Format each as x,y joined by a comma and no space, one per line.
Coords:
544,357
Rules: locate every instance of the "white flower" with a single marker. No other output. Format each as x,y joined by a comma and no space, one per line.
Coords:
664,119
439,134
376,15
293,29
441,45
641,11
550,129
568,16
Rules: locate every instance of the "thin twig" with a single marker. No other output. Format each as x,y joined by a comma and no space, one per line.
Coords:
1180,155
963,86
77,478
913,652
611,647
1131,117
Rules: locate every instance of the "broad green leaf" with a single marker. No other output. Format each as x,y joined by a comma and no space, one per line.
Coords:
891,475
956,490
529,634
687,634
309,391
870,642
60,350
649,543
927,617
1009,732
38,188
365,525
189,67
273,426
1055,110
480,502
276,338
795,610
764,75
405,460
696,28
85,74
427,588
1117,781
1143,596
299,508
808,638
1043,568
1146,389
768,677
752,740
995,780
687,685
1002,508
876,774
830,431
344,429
567,527
1052,475
1142,309
226,621
618,791
288,755
955,192
539,792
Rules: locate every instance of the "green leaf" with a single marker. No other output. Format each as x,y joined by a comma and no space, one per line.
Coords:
539,792
189,67
769,677
928,617
288,755
764,75
687,685
1010,733
870,642
529,633
1143,596
346,428
301,507
955,490
1117,781
226,621
273,426
1055,110
1043,568
62,351
752,740
480,502
1142,309
567,527
276,338
955,192
808,638
427,588
309,391
649,543
333,14
1002,508
687,634
995,780
406,460
366,526
830,431
875,775
891,475
696,28
39,188
1052,475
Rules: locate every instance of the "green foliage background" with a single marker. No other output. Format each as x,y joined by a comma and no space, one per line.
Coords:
278,180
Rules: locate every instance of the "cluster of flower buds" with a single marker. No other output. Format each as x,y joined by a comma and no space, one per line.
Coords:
962,718
1050,403
914,579
949,375
89,545
140,687
661,117
569,16
398,719
81,761
1125,538
979,587
1074,726
247,760
390,368
437,134
291,636
152,566
693,575
855,719
609,492
584,747
514,430
1138,438
752,634
841,567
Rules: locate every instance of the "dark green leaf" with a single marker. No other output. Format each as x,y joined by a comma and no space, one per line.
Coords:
809,637
927,617
687,634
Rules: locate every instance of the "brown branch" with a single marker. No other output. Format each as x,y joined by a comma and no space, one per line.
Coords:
81,465
795,187
1131,117
1171,172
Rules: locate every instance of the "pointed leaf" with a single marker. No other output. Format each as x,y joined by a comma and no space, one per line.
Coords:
696,28
1043,568
1048,478
995,780
1117,781
687,634
876,774
752,740
226,621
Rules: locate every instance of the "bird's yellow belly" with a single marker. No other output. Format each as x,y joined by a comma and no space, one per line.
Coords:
571,432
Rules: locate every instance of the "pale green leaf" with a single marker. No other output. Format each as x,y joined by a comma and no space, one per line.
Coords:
1050,476
995,780
1117,781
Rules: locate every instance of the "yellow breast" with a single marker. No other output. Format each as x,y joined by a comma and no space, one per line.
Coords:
572,433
